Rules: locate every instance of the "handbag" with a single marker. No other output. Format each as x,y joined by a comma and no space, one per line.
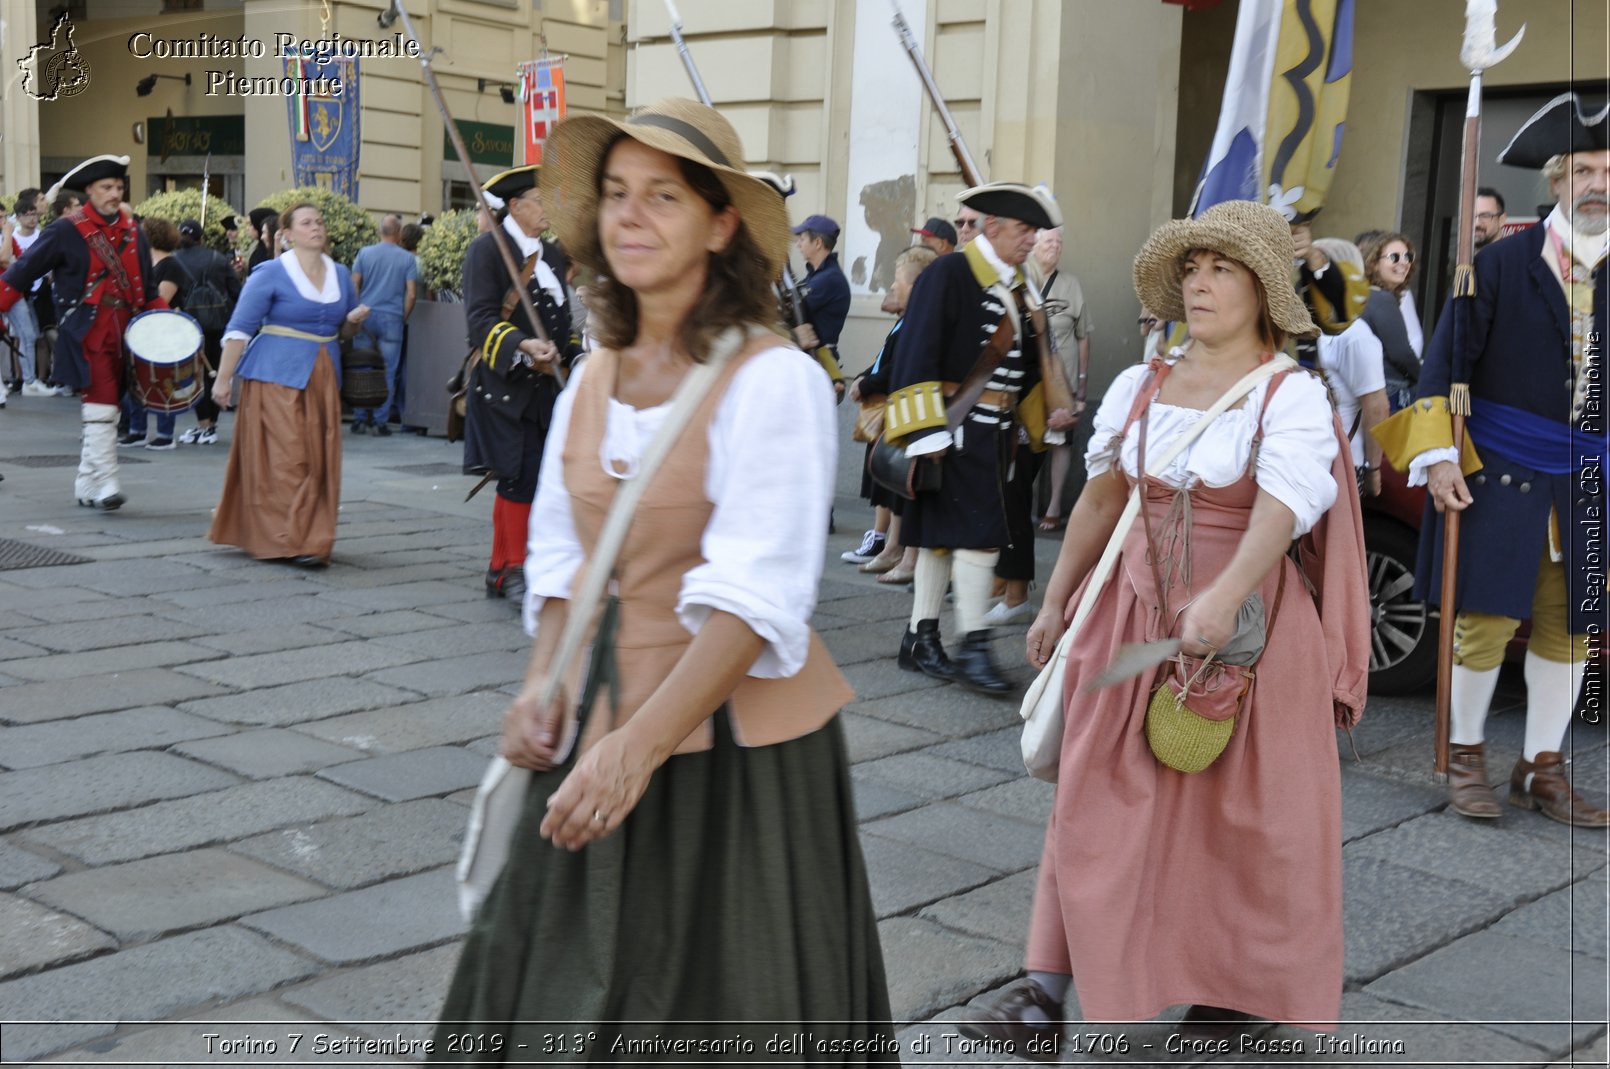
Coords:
905,476
869,420
500,799
1042,708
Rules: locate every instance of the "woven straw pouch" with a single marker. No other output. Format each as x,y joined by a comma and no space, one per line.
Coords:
1189,720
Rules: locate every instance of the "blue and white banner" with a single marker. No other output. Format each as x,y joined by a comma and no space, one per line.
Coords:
1285,105
323,113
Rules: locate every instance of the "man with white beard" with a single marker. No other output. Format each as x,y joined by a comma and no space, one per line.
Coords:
1531,483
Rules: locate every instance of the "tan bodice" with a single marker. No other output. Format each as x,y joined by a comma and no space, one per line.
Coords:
662,545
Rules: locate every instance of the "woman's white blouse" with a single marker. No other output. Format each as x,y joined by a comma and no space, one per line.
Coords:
1294,461
771,477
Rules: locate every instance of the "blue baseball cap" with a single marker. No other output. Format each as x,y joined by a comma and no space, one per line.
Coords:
819,223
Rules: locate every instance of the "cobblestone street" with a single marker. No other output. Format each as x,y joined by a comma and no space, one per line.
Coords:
233,791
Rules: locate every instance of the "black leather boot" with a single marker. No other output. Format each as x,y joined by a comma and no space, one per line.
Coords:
506,583
921,651
975,668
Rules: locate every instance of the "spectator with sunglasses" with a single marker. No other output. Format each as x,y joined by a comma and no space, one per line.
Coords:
1391,314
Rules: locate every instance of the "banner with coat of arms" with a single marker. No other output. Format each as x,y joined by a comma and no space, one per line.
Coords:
542,105
325,131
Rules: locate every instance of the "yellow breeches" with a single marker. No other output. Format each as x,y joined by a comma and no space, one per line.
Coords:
1479,638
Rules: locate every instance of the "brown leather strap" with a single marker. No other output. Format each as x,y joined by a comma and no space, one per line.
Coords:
512,298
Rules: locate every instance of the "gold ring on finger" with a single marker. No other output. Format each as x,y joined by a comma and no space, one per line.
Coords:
598,816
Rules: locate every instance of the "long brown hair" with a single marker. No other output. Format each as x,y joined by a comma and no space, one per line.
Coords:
737,288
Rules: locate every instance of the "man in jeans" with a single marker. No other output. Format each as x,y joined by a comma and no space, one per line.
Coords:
387,275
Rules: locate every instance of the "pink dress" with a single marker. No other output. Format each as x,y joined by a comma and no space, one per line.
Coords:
1223,887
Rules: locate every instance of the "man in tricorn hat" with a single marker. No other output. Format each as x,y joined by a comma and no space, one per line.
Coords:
1530,485
101,274
512,388
958,306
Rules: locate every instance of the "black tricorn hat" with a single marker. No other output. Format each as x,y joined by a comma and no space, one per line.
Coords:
92,170
1560,127
509,184
259,216
1014,200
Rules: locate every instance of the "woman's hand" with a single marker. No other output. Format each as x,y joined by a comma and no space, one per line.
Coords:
358,314
223,389
603,788
1207,624
530,732
1044,634
855,391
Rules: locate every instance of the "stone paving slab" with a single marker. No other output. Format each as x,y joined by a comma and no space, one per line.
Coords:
941,707
61,608
1504,858
383,572
19,866
930,967
119,659
221,619
459,640
201,820
471,612
100,784
32,703
904,877
288,666
415,774
32,936
164,548
457,675
390,998
121,578
968,834
1425,912
11,648
230,1035
267,640
16,599
1460,976
929,776
268,753
295,703
195,969
859,643
403,596
395,840
1371,803
881,679
146,899
153,728
377,624
436,722
1002,749
1025,799
868,737
1572,920
998,910
359,926
874,800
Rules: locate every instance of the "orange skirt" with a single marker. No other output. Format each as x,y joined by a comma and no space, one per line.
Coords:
283,486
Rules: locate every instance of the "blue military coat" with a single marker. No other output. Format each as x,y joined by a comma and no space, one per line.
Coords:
1521,338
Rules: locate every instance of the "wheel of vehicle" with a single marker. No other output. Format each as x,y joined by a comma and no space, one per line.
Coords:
1403,631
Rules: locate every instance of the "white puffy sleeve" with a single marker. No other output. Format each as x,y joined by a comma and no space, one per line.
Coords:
773,459
1299,446
1102,452
553,552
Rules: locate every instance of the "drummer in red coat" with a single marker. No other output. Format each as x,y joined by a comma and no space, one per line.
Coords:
101,277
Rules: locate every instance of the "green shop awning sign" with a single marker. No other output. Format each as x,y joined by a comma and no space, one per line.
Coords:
221,135
488,142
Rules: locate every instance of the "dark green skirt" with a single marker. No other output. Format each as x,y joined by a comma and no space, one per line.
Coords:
728,918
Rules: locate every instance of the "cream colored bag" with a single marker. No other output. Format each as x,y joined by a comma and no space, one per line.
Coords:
1042,706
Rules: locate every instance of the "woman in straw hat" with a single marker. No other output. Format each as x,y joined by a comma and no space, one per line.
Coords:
708,868
1219,888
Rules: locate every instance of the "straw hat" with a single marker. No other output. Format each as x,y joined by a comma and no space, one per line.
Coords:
1254,235
683,128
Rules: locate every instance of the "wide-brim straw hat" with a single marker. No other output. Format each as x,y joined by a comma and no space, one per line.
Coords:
683,128
1252,234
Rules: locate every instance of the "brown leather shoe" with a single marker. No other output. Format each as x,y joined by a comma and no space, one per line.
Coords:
1214,1023
1551,792
1001,1022
1469,793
